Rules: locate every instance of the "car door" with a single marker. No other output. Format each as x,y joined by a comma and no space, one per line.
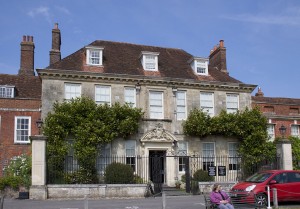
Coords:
281,186
294,185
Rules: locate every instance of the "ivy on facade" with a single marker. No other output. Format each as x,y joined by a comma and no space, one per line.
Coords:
249,126
88,126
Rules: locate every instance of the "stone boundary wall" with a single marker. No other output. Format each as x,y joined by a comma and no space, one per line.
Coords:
206,187
95,191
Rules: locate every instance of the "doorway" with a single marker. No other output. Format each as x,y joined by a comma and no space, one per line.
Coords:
157,161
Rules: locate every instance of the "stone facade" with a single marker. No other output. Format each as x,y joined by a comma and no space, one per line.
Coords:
174,74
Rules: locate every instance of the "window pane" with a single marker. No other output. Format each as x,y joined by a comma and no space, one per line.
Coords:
130,96
102,94
130,153
232,103
182,151
181,105
22,129
295,130
207,102
72,90
95,57
156,105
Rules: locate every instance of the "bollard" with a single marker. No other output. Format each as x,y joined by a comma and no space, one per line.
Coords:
86,203
275,200
269,205
1,201
164,200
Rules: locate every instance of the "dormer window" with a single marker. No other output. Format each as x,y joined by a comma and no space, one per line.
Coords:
7,92
150,60
94,55
200,65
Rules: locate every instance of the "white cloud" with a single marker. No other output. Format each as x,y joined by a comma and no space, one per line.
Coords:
63,10
43,11
290,16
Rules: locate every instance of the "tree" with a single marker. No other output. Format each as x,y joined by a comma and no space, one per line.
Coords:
88,125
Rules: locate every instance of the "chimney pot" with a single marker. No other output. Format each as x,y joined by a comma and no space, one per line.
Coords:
221,43
27,56
56,26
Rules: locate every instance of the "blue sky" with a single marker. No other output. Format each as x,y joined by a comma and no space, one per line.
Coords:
262,37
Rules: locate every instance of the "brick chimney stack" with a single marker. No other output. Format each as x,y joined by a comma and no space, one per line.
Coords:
217,57
55,54
27,56
259,93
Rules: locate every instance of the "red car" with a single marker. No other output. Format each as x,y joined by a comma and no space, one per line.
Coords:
287,183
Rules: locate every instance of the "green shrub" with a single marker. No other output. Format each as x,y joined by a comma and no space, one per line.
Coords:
201,175
138,180
18,171
183,179
82,176
118,173
13,182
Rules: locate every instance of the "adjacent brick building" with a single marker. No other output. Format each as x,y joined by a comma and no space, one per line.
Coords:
279,111
20,106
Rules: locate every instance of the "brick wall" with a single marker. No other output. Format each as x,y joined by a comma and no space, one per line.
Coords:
9,108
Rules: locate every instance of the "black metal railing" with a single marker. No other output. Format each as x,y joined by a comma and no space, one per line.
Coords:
147,169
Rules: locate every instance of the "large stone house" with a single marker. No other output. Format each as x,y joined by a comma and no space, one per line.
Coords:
167,83
20,106
280,112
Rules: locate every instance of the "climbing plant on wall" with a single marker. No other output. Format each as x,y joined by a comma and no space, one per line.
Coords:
295,151
88,125
249,126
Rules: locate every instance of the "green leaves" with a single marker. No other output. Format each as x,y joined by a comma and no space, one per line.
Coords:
88,125
250,126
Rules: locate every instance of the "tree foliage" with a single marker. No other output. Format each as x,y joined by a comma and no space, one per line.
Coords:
88,125
295,152
249,126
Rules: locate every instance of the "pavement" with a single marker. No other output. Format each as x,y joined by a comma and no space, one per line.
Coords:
171,202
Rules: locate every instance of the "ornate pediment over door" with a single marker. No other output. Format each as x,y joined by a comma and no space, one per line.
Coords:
158,134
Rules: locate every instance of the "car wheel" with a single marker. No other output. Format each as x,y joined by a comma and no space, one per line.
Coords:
261,199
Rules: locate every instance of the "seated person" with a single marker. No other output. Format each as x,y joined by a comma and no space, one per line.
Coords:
220,198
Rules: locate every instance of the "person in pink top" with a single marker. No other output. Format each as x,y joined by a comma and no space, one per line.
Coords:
220,198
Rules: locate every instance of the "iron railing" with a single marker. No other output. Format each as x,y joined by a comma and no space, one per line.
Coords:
161,170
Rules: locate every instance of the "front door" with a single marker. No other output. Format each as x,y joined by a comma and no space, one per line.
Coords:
157,168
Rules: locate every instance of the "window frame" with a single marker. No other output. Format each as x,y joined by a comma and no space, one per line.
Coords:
69,95
127,97
297,131
103,160
6,90
182,152
99,94
271,135
232,109
233,164
207,108
16,129
89,52
208,160
146,60
153,114
181,106
130,159
200,62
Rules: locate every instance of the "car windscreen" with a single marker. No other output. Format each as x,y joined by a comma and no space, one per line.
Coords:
258,177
